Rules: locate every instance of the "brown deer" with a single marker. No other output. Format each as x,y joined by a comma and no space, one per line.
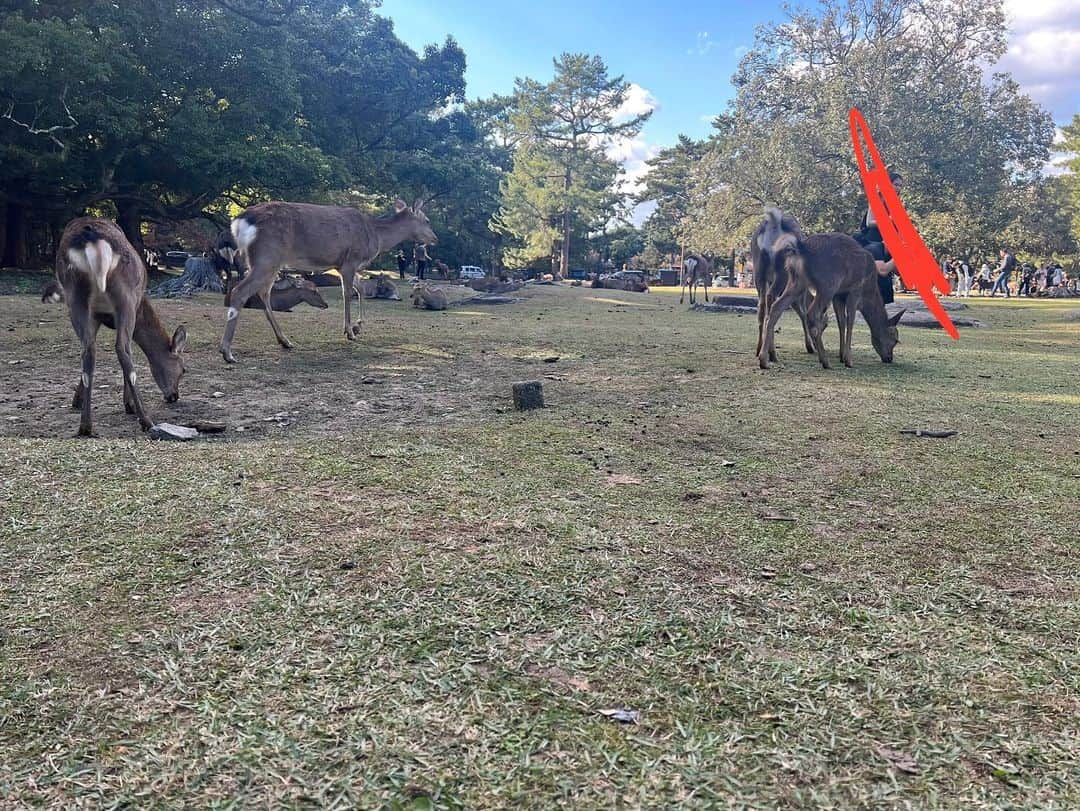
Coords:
286,293
772,241
378,286
426,297
313,238
696,270
843,273
104,282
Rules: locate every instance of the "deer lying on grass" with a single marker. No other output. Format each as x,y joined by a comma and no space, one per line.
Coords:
104,282
696,270
313,238
287,292
840,271
772,242
426,297
378,286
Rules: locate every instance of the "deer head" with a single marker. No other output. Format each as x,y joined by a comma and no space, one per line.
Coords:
419,229
168,367
886,339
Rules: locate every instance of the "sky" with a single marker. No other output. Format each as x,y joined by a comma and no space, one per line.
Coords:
680,56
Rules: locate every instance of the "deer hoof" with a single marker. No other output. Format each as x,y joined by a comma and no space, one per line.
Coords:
286,344
228,355
86,431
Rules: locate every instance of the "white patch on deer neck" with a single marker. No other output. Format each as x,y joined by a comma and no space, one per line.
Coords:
231,313
86,381
131,377
244,233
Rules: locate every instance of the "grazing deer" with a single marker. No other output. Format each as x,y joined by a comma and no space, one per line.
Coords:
104,282
425,297
696,270
313,238
776,237
843,273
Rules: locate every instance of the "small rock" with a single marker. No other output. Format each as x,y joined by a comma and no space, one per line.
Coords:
172,433
369,381
528,395
552,359
807,568
218,394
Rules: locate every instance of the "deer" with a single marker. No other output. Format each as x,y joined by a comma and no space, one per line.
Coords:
774,238
103,279
426,297
313,238
696,270
842,272
378,286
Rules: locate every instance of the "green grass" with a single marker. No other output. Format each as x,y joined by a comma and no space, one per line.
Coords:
412,596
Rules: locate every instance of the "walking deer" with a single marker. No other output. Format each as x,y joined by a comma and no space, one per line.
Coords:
104,283
313,238
696,270
843,273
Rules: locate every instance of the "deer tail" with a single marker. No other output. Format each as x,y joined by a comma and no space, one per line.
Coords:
244,232
93,255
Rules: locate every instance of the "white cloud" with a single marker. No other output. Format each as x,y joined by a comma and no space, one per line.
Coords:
702,45
638,102
1044,52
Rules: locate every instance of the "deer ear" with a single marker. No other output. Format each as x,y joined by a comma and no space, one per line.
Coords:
179,340
399,205
895,320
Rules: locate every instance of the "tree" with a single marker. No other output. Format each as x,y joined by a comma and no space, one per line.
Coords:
917,71
669,184
562,181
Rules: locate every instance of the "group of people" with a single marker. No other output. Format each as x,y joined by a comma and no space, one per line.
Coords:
420,258
1031,281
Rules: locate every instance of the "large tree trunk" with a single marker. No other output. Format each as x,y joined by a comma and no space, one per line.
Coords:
17,233
129,218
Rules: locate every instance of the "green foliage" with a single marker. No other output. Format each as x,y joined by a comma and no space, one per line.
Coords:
962,140
157,110
562,184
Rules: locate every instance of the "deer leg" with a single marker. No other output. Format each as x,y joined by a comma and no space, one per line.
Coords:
800,308
706,290
247,287
840,309
776,309
816,316
762,308
86,327
852,308
348,276
125,327
269,310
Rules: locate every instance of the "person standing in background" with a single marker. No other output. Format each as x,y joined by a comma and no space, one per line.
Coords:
420,256
1005,270
402,263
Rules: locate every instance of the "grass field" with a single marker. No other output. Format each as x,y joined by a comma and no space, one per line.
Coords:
401,593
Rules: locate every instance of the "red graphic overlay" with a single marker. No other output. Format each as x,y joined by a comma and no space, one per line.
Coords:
918,267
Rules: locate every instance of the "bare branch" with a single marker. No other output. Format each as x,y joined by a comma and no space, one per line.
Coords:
48,132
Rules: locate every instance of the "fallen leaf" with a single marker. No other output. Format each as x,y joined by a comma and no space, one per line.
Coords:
899,760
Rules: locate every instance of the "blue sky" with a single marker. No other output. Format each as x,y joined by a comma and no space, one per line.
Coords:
681,55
